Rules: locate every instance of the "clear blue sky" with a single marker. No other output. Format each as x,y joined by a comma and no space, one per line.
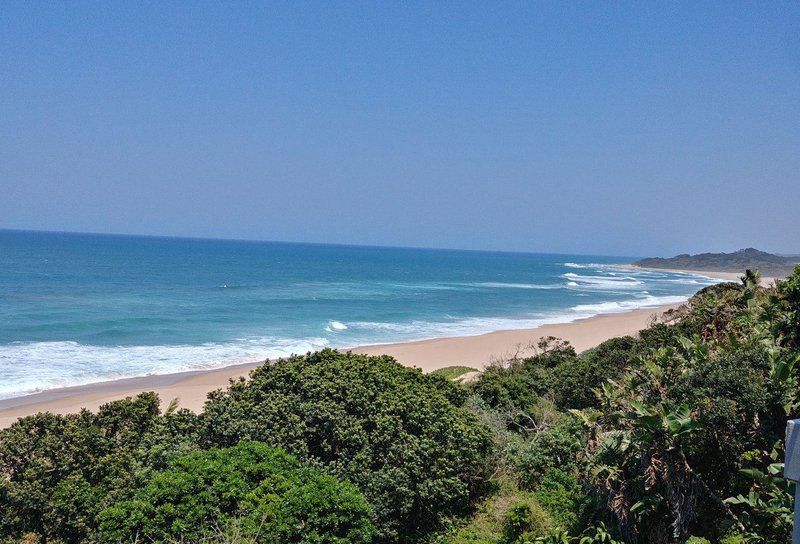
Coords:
614,128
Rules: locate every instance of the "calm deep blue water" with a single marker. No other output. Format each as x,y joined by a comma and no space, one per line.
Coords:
80,308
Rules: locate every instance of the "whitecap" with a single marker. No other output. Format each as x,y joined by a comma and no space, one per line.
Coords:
602,282
627,305
502,285
335,326
80,364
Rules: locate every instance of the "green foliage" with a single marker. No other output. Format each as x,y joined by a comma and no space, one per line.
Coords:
396,433
555,447
728,388
767,508
509,389
667,418
598,534
736,407
509,516
558,373
785,308
561,494
264,490
574,380
524,522
59,472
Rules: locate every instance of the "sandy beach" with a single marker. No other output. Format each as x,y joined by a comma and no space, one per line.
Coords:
191,388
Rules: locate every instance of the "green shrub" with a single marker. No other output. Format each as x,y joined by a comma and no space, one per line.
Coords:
398,434
508,389
574,380
508,516
787,324
523,522
264,490
58,472
563,497
737,409
557,447
732,538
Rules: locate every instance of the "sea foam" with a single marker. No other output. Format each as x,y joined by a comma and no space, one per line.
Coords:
626,305
79,364
501,285
335,326
602,282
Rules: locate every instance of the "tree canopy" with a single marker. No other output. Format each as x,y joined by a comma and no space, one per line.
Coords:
401,436
262,493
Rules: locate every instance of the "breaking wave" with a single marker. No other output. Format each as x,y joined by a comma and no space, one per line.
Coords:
335,326
500,285
602,282
80,364
627,305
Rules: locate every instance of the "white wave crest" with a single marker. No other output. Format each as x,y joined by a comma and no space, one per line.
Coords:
602,282
690,281
501,285
471,326
335,326
585,265
626,305
27,367
421,330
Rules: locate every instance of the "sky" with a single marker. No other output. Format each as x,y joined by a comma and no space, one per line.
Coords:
616,128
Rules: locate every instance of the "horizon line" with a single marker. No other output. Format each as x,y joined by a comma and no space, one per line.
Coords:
335,244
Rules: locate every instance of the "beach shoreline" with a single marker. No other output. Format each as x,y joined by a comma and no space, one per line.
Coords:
766,281
192,387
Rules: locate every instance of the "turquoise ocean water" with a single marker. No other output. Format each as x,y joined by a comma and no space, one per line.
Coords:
77,308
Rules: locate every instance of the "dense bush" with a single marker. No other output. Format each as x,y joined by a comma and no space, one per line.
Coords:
573,381
58,472
688,414
555,447
402,437
264,491
738,410
557,373
561,494
396,433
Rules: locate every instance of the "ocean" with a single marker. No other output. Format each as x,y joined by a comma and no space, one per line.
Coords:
81,308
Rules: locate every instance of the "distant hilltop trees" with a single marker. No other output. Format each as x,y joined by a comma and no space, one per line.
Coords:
738,261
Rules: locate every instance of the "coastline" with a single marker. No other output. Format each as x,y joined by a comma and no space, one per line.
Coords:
766,281
192,387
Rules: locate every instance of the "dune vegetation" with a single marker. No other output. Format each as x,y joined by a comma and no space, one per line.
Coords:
454,372
673,436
